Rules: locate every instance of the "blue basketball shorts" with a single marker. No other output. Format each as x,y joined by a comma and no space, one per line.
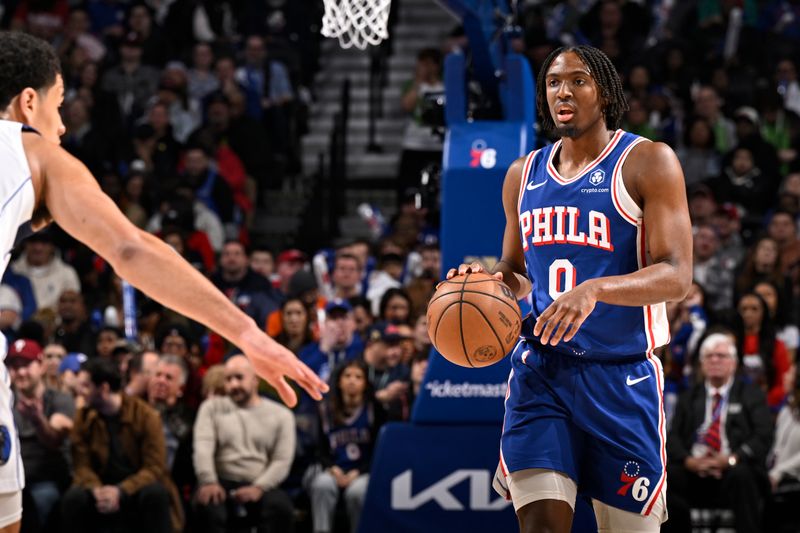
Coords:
599,422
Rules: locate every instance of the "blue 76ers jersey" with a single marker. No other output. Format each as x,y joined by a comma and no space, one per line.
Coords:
582,228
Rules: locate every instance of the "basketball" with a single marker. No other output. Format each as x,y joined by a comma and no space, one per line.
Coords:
473,320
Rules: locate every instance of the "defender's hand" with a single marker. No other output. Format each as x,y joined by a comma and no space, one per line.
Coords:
565,314
275,363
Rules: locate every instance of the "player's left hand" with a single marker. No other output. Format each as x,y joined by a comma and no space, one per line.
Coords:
563,317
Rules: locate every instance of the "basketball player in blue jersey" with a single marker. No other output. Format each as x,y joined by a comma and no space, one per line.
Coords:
40,182
598,229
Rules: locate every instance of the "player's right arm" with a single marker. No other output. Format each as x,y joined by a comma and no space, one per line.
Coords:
511,266
74,199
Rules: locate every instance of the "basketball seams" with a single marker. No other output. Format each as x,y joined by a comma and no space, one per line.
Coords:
487,311
464,291
516,310
461,320
442,315
491,326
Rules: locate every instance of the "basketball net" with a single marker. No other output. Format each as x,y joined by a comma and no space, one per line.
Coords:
356,23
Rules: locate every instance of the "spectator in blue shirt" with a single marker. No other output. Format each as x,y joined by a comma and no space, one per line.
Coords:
266,83
338,341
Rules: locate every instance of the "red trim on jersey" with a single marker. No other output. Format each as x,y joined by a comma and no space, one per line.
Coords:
564,181
526,170
648,311
661,434
502,430
617,170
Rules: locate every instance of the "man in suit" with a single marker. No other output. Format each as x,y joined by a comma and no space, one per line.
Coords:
718,443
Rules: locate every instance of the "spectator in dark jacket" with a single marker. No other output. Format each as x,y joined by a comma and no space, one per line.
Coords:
119,459
718,444
252,292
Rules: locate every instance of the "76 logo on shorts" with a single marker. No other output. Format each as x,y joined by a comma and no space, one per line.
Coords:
630,478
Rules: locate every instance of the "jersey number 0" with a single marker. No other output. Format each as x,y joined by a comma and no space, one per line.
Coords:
562,278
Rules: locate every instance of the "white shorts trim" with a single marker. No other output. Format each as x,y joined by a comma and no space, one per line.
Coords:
534,484
10,508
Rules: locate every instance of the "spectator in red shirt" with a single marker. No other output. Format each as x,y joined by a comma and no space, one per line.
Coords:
763,357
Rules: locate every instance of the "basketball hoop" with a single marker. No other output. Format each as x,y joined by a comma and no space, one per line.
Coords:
356,23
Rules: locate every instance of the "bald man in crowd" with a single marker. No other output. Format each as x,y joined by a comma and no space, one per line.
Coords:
243,449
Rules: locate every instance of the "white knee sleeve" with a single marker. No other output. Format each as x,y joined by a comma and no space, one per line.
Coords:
534,484
611,519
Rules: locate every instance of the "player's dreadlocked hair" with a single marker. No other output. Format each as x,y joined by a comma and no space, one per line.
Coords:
604,74
25,61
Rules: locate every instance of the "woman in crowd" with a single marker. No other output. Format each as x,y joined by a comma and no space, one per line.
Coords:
296,332
350,421
763,358
362,314
395,307
761,264
785,330
699,160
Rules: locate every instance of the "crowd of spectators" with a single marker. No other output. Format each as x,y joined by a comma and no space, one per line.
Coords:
186,111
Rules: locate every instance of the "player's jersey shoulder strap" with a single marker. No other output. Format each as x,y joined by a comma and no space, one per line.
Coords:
627,208
526,172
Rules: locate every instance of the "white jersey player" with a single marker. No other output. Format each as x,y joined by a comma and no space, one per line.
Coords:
40,182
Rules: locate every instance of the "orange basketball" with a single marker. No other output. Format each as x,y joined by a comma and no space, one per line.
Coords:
473,320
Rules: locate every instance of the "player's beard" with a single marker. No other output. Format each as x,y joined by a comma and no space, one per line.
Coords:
568,131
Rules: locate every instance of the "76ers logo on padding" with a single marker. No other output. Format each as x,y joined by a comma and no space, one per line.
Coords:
597,177
630,479
481,155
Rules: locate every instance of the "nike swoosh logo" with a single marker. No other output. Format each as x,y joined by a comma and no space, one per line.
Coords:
630,382
531,185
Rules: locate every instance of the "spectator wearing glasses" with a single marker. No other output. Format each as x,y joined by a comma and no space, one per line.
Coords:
718,442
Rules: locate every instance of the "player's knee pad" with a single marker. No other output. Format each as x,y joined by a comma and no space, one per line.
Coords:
534,484
611,519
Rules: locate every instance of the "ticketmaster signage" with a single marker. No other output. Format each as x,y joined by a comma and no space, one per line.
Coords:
451,394
466,390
